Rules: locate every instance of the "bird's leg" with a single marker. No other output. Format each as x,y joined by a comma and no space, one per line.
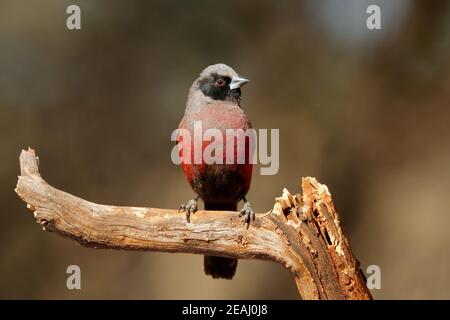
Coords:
247,211
189,208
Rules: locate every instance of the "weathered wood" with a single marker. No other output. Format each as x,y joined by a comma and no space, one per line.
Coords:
301,232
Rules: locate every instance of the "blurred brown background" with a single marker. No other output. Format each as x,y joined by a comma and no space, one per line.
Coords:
366,112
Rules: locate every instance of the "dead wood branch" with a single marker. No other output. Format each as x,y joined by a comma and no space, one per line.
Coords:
302,232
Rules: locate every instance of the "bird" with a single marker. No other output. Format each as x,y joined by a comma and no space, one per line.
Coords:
214,98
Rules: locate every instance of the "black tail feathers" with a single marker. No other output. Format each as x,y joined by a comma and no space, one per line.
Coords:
220,267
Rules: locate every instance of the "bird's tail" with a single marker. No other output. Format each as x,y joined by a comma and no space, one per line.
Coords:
220,267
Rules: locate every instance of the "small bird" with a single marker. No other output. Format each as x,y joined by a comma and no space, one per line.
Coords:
214,99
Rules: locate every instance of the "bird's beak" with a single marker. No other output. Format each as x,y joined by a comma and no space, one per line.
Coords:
237,82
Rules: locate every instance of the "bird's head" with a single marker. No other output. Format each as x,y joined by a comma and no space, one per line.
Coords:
220,82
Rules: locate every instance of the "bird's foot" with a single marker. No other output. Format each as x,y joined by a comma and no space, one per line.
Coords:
189,208
247,212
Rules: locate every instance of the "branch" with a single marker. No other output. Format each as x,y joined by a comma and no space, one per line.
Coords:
302,233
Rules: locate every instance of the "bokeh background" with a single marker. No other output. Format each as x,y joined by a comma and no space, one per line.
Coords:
365,112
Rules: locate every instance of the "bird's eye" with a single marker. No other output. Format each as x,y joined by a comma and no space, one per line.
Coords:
220,83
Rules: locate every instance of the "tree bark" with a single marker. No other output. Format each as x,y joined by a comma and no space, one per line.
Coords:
301,232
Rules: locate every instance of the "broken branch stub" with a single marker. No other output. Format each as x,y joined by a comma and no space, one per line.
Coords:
302,232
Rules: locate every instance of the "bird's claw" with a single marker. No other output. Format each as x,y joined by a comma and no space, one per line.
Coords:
189,209
247,212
